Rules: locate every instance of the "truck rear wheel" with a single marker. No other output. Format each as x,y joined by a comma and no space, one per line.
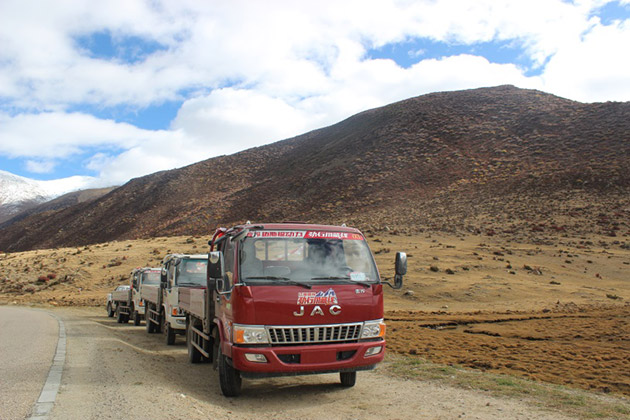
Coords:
110,310
229,378
348,379
194,355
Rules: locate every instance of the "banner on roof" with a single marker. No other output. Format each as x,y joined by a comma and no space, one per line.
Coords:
301,234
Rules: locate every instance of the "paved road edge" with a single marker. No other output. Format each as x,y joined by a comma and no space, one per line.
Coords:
46,401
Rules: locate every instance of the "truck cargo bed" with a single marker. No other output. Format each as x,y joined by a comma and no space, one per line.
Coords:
150,293
192,300
121,295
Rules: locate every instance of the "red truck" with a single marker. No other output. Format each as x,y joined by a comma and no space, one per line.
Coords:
288,299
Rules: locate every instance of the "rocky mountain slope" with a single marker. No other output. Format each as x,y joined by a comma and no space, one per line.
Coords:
491,160
18,193
59,203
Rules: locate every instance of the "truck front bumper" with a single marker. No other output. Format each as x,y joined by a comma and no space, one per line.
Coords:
178,323
307,359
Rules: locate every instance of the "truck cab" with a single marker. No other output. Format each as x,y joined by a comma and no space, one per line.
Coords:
179,271
290,299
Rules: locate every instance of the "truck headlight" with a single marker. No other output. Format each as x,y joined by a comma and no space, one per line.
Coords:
248,334
373,329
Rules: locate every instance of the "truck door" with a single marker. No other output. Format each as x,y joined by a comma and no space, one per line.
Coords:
170,282
135,285
227,247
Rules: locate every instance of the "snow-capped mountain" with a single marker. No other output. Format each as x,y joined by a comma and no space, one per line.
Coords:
18,193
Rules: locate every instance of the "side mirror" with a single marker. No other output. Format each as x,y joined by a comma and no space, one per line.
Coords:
215,266
400,269
401,263
163,278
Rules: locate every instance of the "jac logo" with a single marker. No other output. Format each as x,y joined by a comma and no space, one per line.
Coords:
317,310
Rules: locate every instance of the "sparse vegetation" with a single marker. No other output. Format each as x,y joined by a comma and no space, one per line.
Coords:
578,404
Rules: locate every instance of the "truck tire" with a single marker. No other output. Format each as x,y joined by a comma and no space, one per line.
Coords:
348,379
194,355
169,334
136,318
229,378
119,315
110,310
150,326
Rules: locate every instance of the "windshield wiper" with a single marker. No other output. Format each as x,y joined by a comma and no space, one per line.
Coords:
189,284
285,279
362,283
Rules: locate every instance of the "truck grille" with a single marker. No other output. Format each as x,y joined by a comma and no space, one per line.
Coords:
314,334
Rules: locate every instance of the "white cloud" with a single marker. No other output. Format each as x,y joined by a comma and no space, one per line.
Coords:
54,135
57,134
263,71
234,120
40,166
282,47
576,71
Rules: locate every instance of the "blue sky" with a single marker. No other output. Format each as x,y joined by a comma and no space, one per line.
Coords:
121,89
410,52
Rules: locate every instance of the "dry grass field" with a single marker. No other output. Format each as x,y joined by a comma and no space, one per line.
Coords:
555,313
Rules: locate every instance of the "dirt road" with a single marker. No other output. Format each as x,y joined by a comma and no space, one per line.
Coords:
28,339
118,371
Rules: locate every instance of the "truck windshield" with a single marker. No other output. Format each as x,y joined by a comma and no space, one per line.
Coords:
151,277
191,272
306,257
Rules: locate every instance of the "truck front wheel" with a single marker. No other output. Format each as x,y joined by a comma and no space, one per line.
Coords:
110,310
136,318
229,378
147,319
165,327
348,379
168,333
119,316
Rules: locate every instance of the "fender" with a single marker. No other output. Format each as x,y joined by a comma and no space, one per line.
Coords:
226,346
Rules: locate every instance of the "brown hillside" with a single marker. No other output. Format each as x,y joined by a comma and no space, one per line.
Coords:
456,160
58,203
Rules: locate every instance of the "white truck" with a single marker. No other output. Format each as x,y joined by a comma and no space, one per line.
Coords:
179,271
111,304
127,303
